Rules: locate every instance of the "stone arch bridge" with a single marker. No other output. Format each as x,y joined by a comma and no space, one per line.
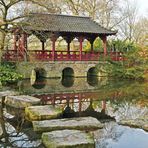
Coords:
52,61
55,69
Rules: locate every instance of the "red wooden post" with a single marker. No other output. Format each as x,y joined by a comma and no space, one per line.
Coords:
26,43
53,39
92,46
14,42
24,46
104,39
80,102
43,45
68,47
23,42
81,47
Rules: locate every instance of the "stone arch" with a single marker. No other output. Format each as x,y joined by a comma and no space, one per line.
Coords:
93,71
40,73
92,78
67,81
67,72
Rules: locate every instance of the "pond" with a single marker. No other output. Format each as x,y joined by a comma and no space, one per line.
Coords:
106,99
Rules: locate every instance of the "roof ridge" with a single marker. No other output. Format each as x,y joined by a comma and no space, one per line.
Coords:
60,15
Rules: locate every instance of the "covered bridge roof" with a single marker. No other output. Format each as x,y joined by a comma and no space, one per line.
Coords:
63,23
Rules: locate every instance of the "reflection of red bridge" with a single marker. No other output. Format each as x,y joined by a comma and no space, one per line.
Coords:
70,97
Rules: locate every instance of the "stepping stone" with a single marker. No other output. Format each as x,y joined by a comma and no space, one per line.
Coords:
141,123
3,94
8,93
21,101
45,112
81,123
68,139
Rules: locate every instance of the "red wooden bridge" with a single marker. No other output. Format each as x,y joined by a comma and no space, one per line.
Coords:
51,26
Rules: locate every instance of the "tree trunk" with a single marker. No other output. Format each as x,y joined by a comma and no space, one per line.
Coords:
2,43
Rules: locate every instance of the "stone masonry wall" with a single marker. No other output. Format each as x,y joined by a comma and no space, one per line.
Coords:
54,69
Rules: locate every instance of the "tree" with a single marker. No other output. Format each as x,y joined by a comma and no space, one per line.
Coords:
103,11
8,15
51,6
127,26
140,35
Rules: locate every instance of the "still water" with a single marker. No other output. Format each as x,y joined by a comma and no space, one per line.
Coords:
107,100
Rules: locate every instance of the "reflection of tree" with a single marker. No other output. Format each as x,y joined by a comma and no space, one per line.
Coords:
2,123
127,109
13,135
110,132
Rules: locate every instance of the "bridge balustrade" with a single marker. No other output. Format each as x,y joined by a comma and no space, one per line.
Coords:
45,55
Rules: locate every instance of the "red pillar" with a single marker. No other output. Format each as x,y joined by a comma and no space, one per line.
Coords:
68,47
104,39
24,46
80,103
53,39
92,46
81,47
24,41
14,42
43,45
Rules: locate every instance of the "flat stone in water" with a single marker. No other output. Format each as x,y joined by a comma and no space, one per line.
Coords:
45,112
21,101
8,93
68,138
3,94
141,123
81,123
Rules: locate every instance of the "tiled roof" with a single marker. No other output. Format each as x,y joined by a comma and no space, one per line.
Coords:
64,23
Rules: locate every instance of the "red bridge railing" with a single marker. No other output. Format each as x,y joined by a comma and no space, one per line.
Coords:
44,55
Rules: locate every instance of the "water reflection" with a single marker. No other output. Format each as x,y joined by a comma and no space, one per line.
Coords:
13,133
67,81
39,83
89,111
115,136
106,100
92,80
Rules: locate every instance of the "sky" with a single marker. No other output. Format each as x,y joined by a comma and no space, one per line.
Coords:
143,7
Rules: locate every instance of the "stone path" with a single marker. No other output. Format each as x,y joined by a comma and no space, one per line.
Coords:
44,112
68,138
21,101
81,123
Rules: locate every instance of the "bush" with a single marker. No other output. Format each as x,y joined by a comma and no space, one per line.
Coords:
133,67
8,74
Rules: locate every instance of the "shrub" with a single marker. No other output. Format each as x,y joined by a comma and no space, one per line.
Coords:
8,74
